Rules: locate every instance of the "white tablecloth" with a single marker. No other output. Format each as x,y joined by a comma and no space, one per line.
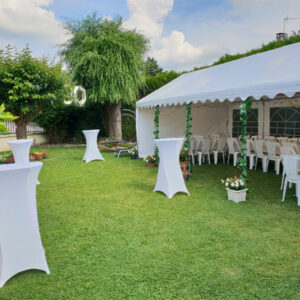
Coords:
92,151
20,241
169,179
20,149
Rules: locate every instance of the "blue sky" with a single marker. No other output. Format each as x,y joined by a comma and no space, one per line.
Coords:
182,33
79,8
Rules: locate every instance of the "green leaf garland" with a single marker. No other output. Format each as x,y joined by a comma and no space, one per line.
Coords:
156,127
188,133
244,109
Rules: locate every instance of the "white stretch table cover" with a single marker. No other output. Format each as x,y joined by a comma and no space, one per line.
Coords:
92,151
20,242
20,149
169,179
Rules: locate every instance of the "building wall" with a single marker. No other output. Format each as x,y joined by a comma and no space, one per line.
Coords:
38,139
264,105
207,118
210,118
144,131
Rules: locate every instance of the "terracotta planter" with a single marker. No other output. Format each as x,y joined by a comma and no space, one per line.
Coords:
184,163
151,165
184,169
237,196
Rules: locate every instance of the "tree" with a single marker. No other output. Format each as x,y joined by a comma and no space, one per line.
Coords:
151,67
29,85
5,116
155,82
107,61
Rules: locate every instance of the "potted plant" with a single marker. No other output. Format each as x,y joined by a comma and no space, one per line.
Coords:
133,153
39,156
184,157
151,160
236,189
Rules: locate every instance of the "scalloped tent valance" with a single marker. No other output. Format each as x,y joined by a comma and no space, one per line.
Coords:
265,74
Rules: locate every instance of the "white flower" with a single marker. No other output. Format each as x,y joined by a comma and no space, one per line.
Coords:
226,184
242,183
232,184
222,180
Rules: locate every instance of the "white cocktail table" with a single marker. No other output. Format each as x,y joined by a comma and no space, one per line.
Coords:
20,241
20,149
92,151
169,179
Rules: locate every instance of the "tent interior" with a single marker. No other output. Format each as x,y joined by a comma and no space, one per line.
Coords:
271,79
268,117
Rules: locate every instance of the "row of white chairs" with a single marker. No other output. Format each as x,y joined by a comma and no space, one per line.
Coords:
256,149
284,152
275,139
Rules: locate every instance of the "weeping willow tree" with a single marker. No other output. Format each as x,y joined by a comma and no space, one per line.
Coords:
107,61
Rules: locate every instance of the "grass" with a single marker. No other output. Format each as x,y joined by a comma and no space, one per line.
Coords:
108,236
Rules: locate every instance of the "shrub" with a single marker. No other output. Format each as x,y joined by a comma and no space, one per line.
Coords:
64,123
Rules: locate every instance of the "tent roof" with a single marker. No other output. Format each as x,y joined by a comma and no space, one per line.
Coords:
264,74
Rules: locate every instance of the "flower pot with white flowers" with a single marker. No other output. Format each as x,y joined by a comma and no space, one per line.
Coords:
184,158
236,189
133,153
151,160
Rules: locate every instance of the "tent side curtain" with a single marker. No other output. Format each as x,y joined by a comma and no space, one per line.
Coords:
265,74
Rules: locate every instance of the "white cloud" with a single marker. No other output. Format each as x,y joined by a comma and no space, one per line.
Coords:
174,48
30,21
147,16
203,35
247,25
172,51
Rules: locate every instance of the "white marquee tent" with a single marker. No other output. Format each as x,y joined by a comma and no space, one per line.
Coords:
270,78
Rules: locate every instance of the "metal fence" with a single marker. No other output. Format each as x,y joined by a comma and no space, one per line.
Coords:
31,128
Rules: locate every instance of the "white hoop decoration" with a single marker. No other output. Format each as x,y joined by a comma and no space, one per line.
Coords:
82,89
76,101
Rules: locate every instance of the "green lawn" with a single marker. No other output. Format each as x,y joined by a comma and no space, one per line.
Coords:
108,236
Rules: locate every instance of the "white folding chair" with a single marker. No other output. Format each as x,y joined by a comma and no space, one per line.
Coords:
205,150
295,140
256,137
290,145
192,146
290,164
218,147
233,149
259,150
250,153
285,149
270,139
213,136
195,147
283,139
273,155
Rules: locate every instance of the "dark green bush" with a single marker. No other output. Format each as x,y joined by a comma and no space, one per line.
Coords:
128,128
64,123
293,38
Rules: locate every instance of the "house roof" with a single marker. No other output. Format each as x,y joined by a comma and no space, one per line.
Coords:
264,74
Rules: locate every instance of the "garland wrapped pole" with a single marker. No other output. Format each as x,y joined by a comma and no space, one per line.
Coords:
244,109
188,133
156,128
